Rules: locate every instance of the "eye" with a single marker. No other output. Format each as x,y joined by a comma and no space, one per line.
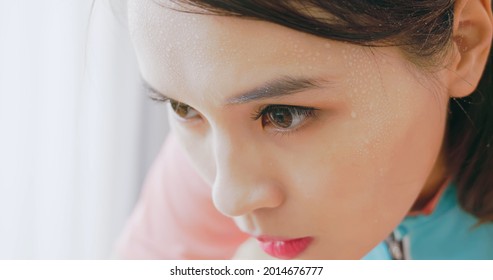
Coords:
283,118
183,111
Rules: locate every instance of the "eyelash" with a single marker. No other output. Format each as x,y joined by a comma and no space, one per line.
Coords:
158,98
305,112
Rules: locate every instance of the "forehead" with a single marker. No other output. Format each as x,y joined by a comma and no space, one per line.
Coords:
190,49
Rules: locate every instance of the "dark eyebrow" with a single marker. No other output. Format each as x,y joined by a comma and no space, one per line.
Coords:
277,88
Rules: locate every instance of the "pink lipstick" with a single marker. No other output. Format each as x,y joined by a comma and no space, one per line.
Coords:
284,248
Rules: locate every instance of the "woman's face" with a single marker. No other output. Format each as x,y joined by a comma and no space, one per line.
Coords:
297,136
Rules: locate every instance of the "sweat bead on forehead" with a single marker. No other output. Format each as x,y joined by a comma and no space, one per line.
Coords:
188,53
190,50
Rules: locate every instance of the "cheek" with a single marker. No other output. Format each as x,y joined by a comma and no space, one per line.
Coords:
398,121
363,173
401,150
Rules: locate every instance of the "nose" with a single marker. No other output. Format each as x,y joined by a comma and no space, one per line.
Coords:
245,179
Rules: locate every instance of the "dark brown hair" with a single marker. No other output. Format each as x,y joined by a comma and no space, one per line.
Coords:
423,29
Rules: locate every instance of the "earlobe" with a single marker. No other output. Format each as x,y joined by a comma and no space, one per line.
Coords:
472,36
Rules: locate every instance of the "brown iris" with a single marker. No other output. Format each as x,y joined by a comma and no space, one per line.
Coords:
182,110
281,117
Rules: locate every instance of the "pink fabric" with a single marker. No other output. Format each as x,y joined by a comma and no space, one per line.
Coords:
174,217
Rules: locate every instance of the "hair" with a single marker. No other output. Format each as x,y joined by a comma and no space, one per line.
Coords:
423,30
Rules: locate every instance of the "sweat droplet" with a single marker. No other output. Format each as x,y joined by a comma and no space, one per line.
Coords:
353,115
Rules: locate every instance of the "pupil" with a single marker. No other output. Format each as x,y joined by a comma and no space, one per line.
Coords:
281,117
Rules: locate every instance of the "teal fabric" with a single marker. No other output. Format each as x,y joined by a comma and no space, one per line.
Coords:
448,233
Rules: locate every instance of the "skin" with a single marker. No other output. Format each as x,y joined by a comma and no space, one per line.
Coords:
345,177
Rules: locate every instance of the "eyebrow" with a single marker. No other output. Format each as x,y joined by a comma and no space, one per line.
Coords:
279,87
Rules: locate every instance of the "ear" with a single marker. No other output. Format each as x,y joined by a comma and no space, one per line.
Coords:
472,35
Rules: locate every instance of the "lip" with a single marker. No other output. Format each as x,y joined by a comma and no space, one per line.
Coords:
283,248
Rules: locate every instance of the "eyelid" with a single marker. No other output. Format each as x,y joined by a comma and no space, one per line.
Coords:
262,110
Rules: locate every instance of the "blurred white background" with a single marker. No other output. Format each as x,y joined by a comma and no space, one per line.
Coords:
75,139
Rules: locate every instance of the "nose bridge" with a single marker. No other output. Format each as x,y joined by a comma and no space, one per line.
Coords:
242,184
